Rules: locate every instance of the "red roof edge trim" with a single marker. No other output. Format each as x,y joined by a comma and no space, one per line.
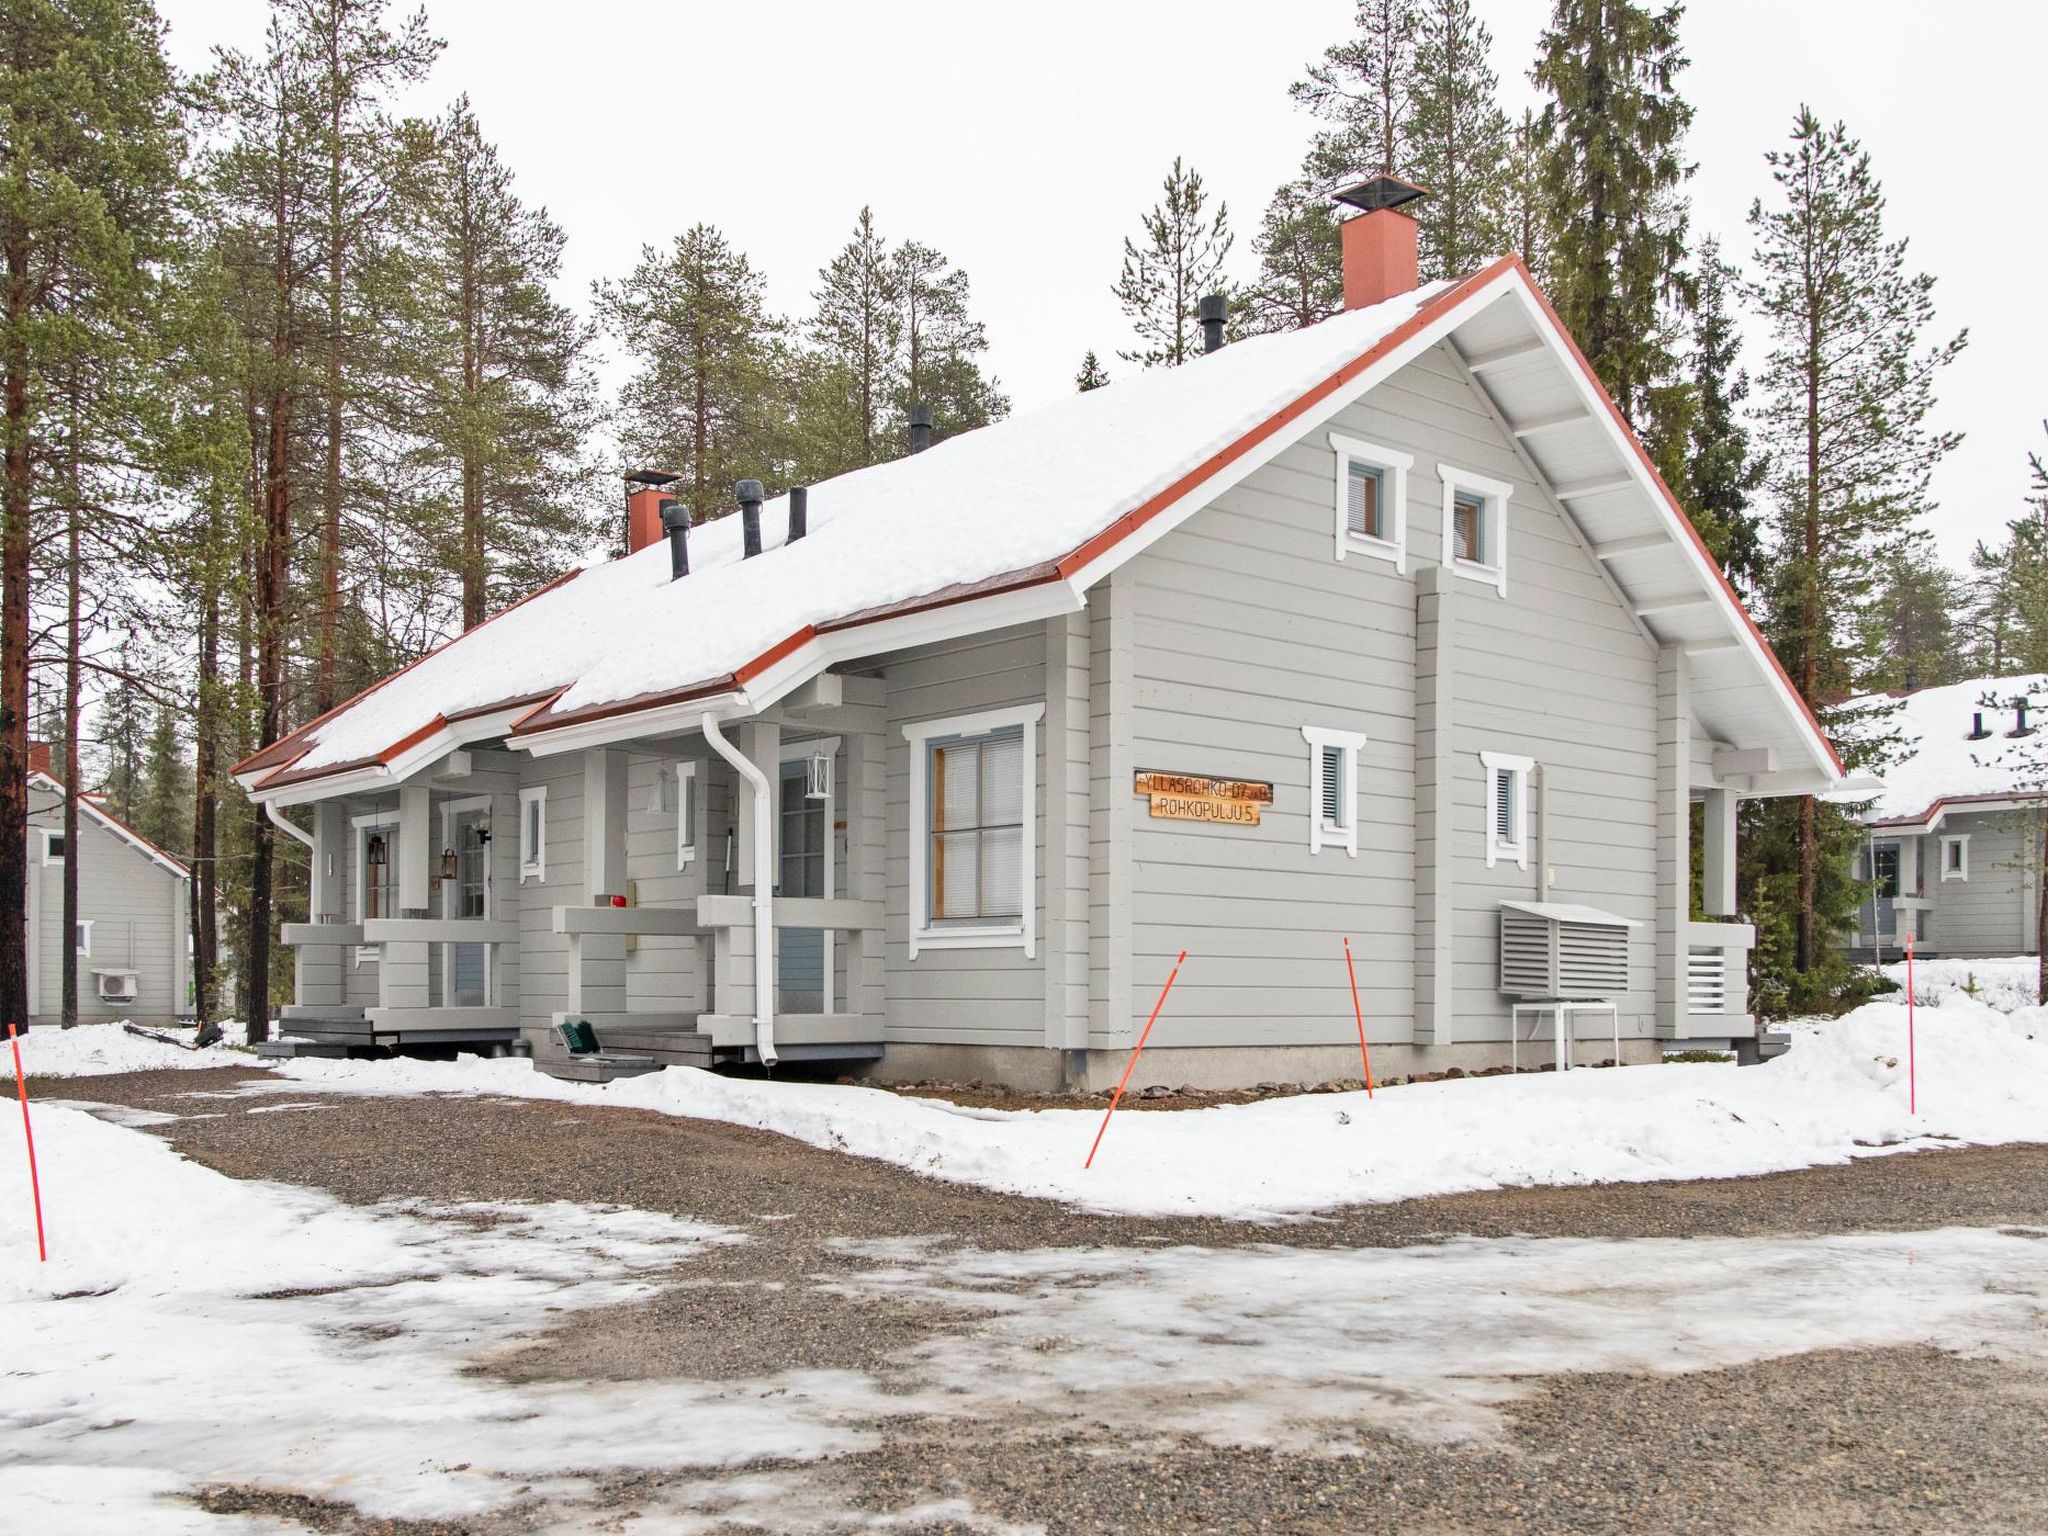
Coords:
1958,802
1143,513
1684,521
93,804
257,758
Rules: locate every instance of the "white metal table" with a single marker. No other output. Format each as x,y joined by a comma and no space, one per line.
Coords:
1563,1010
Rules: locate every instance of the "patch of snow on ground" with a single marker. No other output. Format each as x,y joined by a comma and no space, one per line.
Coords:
338,1342
93,1050
1839,1092
1262,1346
2006,985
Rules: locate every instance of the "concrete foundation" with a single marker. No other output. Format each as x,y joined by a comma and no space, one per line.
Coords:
1032,1069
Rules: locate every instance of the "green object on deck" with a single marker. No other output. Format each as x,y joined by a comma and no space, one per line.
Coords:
578,1037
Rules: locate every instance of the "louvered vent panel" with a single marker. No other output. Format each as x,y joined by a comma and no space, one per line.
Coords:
1546,956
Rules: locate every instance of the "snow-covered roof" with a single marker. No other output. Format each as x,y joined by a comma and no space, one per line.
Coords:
1942,765
1045,501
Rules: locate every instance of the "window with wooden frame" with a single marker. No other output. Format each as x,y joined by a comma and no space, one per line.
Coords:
1333,788
686,815
1955,857
1476,526
53,847
973,793
533,833
1507,807
1371,500
82,936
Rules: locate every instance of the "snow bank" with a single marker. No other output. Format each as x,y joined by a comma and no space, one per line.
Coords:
2006,985
1839,1091
93,1050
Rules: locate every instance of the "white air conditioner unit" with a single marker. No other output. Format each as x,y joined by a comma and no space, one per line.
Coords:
116,986
1553,949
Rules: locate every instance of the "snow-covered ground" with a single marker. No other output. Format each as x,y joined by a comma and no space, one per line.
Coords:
93,1050
2009,986
340,1344
1839,1093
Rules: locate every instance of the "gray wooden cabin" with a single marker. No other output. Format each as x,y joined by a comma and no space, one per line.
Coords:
1398,628
134,917
1952,845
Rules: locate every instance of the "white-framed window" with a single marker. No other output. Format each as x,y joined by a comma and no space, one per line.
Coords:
1332,788
374,890
686,815
1372,500
533,833
1476,526
53,846
83,936
973,810
1507,807
1955,857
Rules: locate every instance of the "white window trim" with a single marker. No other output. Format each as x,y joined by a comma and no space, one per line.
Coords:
1496,850
1493,572
687,813
920,734
360,828
85,926
533,862
1393,466
51,835
1961,841
1321,833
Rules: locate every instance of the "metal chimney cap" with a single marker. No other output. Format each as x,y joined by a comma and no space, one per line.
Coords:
747,490
920,414
1379,192
674,515
651,477
1214,307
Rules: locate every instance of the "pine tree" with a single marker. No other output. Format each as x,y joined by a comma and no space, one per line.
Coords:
1301,265
163,811
1180,261
1847,390
1458,139
1524,212
858,327
1362,88
1091,375
501,391
1722,473
2005,615
707,397
1612,169
942,344
120,729
1914,628
89,158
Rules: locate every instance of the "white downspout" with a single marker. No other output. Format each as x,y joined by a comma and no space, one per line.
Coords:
277,819
764,886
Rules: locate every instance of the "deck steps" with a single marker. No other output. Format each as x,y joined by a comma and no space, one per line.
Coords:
603,1068
287,1049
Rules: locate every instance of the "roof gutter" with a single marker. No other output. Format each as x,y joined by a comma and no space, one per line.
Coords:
764,885
274,814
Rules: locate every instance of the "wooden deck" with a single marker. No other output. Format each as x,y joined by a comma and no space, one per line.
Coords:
349,1033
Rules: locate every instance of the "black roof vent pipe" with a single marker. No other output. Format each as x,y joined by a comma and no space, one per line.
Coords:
675,522
1215,309
1977,731
799,512
2020,726
749,493
920,426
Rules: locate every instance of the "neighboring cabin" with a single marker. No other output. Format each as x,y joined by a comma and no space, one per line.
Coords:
134,915
1954,845
1383,629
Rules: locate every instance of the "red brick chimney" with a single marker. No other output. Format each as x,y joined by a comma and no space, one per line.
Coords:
1379,242
39,758
646,490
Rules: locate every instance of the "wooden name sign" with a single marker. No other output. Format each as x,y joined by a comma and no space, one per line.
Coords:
1195,797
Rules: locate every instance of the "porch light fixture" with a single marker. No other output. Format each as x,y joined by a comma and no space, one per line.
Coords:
451,866
376,857
818,776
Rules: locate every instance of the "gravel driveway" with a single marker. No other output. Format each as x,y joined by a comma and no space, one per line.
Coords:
1879,1439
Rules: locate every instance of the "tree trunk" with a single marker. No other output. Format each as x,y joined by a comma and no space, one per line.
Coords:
330,511
72,702
2041,919
473,569
205,887
14,634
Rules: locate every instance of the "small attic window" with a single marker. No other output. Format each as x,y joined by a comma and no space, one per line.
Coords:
1371,495
1955,857
1476,526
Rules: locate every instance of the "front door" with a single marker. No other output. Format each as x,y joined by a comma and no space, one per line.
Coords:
1881,918
804,869
467,967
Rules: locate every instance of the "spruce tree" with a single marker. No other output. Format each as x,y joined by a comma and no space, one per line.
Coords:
1722,472
1091,375
1458,141
501,396
121,728
163,809
1300,278
1524,212
1847,390
1912,640
1166,274
1362,89
89,161
706,395
1612,169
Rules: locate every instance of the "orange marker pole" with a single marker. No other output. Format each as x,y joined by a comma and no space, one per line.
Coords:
1118,1097
1364,1055
35,1185
1912,1055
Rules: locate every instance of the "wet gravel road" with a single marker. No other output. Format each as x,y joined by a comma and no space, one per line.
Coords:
1904,1440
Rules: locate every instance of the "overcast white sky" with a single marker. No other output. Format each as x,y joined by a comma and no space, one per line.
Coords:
1024,141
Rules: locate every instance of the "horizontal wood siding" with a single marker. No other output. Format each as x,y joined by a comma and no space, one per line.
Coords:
975,996
138,910
1992,913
